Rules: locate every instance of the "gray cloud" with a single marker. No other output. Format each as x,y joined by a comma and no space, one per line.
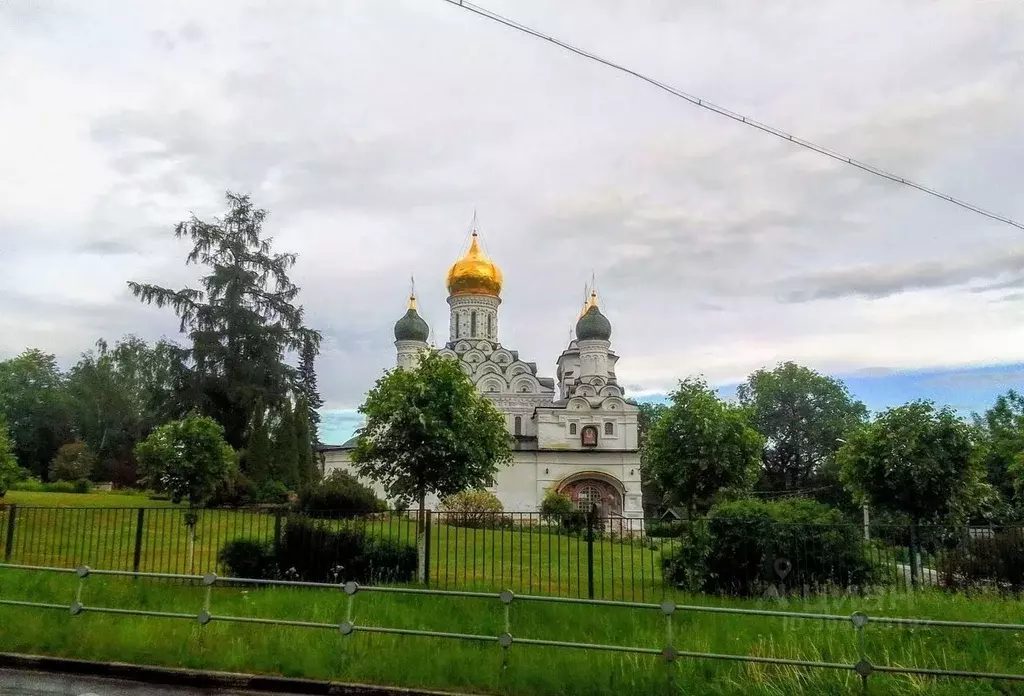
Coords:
883,281
372,132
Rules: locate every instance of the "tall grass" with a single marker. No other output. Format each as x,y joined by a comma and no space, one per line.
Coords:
458,665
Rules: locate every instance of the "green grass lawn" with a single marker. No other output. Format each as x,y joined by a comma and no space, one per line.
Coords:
465,666
113,499
525,559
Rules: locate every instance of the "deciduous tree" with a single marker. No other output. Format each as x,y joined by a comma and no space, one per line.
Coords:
8,464
428,430
1002,428
34,403
801,414
701,449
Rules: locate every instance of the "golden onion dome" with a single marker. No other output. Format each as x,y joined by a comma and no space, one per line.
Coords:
474,274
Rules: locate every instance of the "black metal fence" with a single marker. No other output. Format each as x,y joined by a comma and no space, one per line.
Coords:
604,558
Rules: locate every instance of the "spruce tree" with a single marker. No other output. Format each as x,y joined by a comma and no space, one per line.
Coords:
310,391
257,463
285,466
307,457
242,323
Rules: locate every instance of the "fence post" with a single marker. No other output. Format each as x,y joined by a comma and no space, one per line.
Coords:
277,531
426,551
137,562
12,511
591,515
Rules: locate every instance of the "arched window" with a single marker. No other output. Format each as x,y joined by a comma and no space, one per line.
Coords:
457,332
609,428
490,327
587,497
519,425
472,324
572,428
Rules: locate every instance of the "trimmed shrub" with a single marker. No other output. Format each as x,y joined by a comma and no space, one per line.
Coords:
248,558
74,461
342,495
272,493
558,509
313,551
475,509
749,545
989,561
666,529
35,486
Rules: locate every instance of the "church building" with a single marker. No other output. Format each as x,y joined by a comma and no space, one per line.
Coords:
577,436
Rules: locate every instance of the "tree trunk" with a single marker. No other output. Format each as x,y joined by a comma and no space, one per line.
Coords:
421,539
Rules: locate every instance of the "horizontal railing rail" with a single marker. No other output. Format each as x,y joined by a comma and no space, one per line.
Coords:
668,651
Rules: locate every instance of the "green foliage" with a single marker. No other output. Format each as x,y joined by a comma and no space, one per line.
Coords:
701,449
558,509
118,395
428,430
243,321
801,414
340,495
10,472
746,545
315,552
995,561
1002,428
257,459
249,558
913,459
479,509
647,415
74,461
304,427
34,404
285,460
187,458
36,486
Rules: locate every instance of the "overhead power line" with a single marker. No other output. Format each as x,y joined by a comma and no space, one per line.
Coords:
722,111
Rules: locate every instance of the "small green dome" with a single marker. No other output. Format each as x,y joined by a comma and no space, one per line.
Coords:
593,325
411,327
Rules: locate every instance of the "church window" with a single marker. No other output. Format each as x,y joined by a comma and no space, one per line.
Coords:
519,425
609,428
472,324
572,428
490,328
457,332
588,497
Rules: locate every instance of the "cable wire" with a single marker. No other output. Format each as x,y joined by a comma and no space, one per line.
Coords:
722,111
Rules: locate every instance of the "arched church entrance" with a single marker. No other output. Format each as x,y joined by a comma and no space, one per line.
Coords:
589,489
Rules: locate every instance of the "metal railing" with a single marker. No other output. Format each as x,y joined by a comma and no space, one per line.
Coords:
598,558
667,651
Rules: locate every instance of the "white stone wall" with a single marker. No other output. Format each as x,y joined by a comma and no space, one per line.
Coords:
594,358
460,321
522,485
408,353
554,425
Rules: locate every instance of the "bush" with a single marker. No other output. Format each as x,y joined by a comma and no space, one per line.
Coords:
248,558
993,561
34,486
666,529
559,510
749,545
475,509
234,490
271,493
341,495
74,461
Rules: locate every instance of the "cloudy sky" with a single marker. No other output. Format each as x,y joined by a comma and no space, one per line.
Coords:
372,129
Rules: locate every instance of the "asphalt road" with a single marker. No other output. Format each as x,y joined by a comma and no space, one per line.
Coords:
17,683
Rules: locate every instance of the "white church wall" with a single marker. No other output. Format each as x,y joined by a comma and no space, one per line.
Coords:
521,486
